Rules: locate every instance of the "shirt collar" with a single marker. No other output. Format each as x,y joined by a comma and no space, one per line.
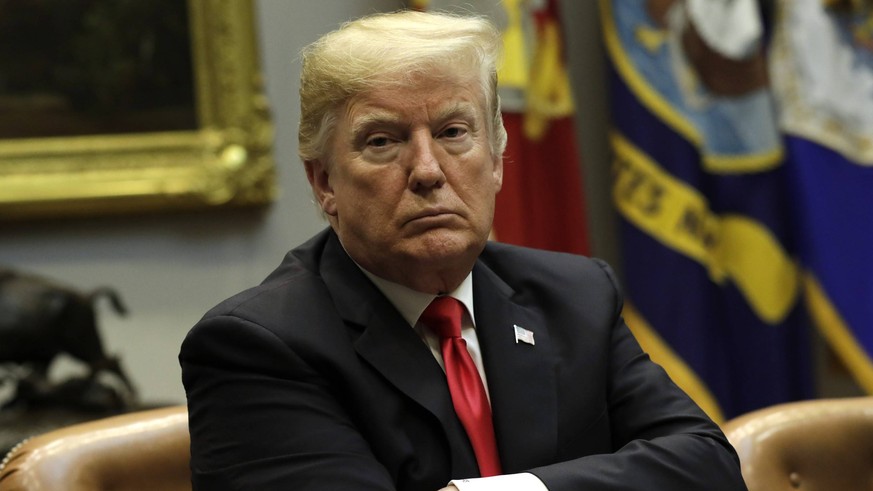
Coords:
411,303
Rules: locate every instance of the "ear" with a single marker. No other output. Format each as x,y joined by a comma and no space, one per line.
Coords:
497,172
319,180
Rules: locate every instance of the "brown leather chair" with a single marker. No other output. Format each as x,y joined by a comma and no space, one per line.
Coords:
818,445
146,450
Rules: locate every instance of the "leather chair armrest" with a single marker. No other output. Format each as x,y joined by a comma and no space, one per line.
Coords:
146,450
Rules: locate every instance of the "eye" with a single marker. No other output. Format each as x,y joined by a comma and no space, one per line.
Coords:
454,132
378,141
380,146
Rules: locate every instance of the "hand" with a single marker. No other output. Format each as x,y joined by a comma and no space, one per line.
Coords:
450,487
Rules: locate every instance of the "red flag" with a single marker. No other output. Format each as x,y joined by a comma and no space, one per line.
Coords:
541,203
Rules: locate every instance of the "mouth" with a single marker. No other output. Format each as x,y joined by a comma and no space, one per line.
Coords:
432,215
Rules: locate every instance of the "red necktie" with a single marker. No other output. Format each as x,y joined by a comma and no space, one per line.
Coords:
443,317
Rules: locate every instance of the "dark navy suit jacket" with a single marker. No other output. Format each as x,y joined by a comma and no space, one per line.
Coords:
313,380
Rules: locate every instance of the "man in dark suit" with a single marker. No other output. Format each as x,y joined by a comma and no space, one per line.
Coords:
338,372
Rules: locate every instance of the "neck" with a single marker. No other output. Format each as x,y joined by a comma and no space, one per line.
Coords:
422,278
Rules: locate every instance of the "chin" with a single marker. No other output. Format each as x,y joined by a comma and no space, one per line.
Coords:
448,245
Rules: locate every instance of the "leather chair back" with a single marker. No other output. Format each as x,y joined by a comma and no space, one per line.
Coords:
146,450
818,445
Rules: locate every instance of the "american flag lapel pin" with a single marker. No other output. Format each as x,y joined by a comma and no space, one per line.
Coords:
523,335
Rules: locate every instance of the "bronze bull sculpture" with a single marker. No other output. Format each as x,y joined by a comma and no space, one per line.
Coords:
40,319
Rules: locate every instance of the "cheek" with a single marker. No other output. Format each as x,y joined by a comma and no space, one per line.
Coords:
369,190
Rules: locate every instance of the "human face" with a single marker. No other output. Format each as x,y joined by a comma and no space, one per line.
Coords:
410,182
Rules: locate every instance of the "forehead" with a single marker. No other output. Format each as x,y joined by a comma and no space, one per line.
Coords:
417,100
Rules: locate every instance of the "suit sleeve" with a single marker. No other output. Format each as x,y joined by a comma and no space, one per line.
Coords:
261,418
661,440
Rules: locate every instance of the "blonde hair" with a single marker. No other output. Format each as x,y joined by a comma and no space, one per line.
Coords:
394,48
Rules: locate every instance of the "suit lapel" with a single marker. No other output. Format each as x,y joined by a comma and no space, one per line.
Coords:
521,377
393,348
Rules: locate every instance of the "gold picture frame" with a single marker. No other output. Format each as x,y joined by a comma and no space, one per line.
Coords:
226,161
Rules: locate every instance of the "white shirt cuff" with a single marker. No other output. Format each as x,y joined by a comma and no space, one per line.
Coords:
508,482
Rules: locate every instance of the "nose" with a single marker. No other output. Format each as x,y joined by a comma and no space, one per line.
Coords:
425,169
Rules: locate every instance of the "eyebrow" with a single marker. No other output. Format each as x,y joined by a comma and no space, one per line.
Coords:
465,110
378,117
374,118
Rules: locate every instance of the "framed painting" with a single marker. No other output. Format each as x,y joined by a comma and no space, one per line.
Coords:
131,107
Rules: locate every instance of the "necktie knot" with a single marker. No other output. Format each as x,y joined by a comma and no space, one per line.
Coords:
443,317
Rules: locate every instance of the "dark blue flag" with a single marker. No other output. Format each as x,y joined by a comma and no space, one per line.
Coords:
821,62
714,287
